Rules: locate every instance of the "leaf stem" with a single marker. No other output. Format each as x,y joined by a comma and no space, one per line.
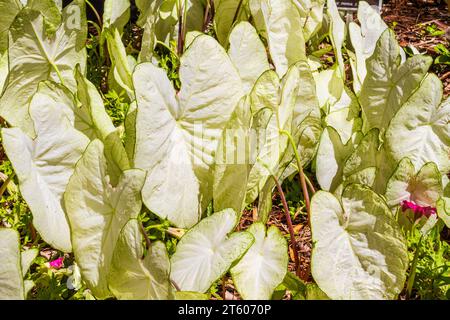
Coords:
147,240
100,22
412,273
290,226
302,174
237,13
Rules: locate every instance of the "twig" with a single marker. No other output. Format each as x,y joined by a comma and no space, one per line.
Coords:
147,240
175,285
290,227
445,76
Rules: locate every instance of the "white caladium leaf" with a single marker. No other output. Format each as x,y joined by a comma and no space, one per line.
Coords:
92,120
9,10
331,87
51,12
306,127
331,157
420,130
423,188
345,120
97,212
276,97
279,21
26,259
178,135
264,265
364,40
158,18
207,251
233,160
227,13
116,14
389,84
34,57
4,69
134,276
122,70
11,278
337,33
443,210
359,250
364,155
45,164
370,154
248,54
311,13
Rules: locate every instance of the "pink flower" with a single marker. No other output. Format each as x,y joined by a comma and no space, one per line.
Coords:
57,264
419,210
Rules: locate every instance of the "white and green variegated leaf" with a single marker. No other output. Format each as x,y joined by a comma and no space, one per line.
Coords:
423,188
311,13
4,69
11,277
51,11
370,164
345,120
264,265
34,57
332,95
248,54
26,259
233,160
116,14
158,18
389,83
364,155
306,127
227,13
134,276
337,33
359,250
122,66
420,130
207,251
331,157
279,22
364,39
170,127
91,116
9,10
443,210
97,212
277,98
44,165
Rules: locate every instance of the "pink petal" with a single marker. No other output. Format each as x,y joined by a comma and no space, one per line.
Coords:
57,264
420,210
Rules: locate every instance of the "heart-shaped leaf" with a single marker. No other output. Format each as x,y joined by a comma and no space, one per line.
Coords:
264,265
207,251
359,250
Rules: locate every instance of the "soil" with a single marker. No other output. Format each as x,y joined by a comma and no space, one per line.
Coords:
409,19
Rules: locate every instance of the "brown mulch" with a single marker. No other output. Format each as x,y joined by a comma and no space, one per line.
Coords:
409,20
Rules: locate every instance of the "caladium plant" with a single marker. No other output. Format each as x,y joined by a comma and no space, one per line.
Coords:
13,266
252,110
34,57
